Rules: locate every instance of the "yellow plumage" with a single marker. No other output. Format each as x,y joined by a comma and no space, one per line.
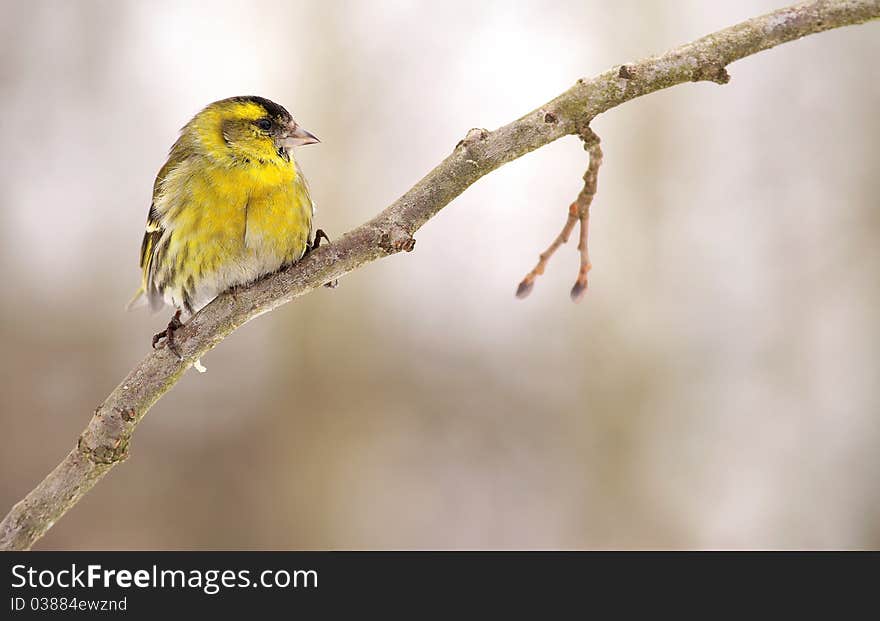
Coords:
229,206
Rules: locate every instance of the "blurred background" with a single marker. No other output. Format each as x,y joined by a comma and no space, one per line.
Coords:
717,388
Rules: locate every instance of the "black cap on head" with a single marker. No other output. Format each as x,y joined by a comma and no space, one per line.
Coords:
271,108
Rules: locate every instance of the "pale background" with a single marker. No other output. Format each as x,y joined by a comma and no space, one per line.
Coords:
718,387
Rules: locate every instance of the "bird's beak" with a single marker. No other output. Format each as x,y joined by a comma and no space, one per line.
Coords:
296,136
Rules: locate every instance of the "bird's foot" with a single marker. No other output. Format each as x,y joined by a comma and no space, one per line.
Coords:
314,245
168,335
316,242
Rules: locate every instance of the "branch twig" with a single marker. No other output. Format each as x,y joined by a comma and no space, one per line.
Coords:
578,211
105,441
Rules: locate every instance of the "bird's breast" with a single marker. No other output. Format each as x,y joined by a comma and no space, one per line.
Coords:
240,224
262,211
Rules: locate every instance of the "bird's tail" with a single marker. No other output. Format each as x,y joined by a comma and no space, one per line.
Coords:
137,300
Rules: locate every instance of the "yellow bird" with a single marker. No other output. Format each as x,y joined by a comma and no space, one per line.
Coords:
229,206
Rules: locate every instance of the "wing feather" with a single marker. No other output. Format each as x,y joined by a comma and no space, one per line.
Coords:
155,230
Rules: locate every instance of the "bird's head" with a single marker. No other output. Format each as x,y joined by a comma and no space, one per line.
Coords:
249,128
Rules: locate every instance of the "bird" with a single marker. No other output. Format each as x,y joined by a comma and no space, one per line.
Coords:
229,206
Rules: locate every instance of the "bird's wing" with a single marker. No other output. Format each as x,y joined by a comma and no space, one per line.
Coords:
153,234
151,239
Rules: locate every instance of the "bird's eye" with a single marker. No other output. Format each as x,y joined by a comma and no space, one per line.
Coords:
264,124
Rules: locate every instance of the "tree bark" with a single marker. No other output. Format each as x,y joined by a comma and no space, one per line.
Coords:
105,441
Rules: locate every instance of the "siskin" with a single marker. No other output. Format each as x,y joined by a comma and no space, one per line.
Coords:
229,206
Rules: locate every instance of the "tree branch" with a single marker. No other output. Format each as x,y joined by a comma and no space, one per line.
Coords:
105,441
578,211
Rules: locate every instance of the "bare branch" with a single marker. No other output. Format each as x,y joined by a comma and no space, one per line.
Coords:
583,202
578,211
105,441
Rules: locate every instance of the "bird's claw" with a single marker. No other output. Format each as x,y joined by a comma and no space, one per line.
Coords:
319,235
168,335
314,245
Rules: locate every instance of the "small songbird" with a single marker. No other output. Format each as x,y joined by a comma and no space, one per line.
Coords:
229,206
